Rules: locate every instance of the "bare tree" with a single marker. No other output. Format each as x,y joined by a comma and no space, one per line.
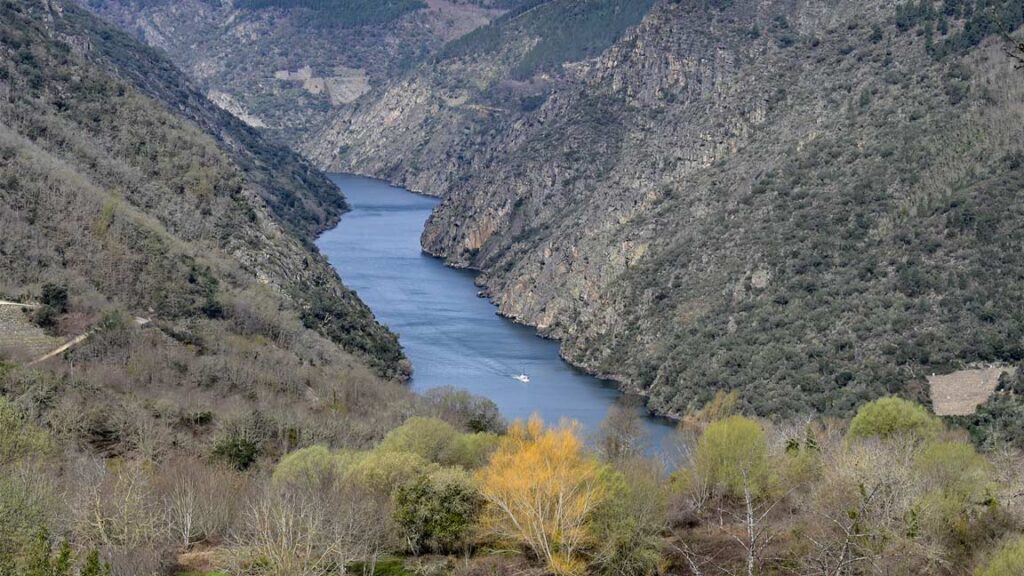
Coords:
312,531
1017,53
622,434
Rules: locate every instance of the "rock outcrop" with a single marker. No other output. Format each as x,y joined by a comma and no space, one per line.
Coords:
751,195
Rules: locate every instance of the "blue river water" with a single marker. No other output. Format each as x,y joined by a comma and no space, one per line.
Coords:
452,336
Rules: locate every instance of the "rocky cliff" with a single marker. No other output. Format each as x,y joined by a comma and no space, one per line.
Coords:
812,202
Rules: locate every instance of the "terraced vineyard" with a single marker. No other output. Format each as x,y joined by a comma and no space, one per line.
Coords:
20,339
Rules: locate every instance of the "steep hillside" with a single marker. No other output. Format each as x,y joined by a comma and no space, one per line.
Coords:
176,241
814,205
288,64
425,127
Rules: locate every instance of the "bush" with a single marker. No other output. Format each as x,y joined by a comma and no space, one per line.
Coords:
1009,561
384,472
309,467
45,317
891,416
629,524
429,438
437,511
439,442
237,451
19,438
55,296
733,455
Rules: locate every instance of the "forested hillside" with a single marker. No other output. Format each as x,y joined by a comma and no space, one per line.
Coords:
814,207
176,241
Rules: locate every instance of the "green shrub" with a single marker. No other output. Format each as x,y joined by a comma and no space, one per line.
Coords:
237,451
19,438
382,567
1009,561
891,416
733,455
437,511
430,438
437,441
471,450
385,471
629,523
55,296
310,466
955,467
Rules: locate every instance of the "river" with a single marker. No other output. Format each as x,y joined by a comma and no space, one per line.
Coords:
452,336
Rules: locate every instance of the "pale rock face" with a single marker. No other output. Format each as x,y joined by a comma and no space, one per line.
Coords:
227,102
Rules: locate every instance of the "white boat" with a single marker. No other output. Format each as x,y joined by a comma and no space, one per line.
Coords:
522,378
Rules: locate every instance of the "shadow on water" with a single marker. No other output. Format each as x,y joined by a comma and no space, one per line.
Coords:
452,336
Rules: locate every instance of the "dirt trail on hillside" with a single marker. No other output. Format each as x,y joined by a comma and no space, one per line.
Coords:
18,304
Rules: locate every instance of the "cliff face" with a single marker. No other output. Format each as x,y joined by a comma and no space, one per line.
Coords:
811,202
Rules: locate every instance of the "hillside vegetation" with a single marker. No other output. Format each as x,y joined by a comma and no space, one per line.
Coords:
124,198
812,207
240,48
340,12
233,409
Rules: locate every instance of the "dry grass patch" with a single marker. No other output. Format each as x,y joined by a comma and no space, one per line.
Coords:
20,339
961,392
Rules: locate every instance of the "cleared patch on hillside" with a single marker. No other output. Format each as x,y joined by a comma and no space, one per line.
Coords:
20,339
961,392
345,87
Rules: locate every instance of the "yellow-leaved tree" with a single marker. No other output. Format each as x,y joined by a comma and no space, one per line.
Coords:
541,489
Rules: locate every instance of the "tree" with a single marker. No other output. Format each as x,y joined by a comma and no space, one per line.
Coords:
622,433
471,413
310,466
958,509
1017,53
430,438
629,523
200,499
732,459
93,566
437,441
384,472
542,490
436,512
312,531
19,437
892,416
55,296
732,454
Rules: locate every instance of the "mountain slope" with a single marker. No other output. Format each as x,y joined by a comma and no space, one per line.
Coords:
814,205
287,65
130,195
